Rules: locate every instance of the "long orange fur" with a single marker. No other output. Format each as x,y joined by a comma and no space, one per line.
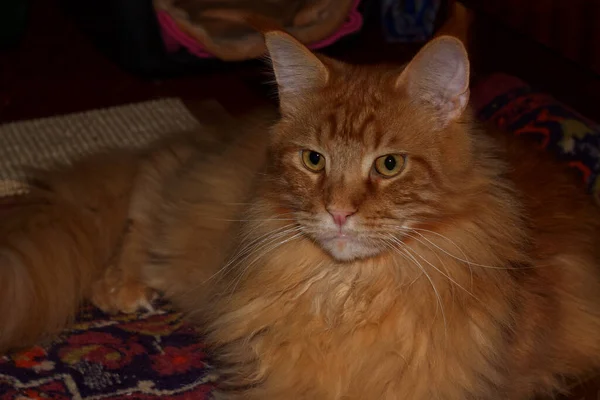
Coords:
472,274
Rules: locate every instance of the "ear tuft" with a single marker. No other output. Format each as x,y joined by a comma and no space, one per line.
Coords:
439,76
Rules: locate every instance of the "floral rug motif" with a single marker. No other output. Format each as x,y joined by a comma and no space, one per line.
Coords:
139,357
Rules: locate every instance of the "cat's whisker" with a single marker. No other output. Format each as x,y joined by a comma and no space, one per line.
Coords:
258,257
437,294
278,217
238,203
452,242
251,248
264,239
469,264
387,245
255,244
436,268
427,244
246,248
253,220
437,256
244,244
260,223
414,280
259,244
312,239
464,260
268,247
244,238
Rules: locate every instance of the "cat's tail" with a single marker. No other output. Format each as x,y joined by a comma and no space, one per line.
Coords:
55,241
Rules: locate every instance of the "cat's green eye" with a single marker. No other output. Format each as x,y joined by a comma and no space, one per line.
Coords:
390,165
312,160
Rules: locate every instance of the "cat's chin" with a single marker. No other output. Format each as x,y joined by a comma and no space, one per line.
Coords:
348,249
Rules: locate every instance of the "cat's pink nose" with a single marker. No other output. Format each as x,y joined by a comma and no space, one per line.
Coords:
340,216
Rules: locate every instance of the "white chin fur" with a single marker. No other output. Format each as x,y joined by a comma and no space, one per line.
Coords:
343,249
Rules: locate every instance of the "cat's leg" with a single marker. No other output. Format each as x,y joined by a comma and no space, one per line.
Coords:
122,288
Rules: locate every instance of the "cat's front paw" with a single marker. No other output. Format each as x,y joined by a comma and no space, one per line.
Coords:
113,295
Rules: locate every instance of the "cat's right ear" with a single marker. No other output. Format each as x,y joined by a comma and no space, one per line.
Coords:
298,71
439,77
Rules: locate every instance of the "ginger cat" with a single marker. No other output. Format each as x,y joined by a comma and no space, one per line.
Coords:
375,243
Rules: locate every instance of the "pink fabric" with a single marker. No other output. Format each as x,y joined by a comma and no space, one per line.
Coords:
174,38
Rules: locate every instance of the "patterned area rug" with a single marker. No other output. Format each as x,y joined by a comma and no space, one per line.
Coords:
126,357
157,355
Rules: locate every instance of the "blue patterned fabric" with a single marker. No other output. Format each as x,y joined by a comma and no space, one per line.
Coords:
573,138
409,20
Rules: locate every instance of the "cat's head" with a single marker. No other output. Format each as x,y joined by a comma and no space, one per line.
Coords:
363,153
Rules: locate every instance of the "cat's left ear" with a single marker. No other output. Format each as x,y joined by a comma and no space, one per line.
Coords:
439,76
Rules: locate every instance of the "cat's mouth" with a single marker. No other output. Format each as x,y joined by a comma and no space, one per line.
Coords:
347,246
341,236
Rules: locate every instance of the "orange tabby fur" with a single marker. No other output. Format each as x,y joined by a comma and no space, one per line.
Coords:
473,274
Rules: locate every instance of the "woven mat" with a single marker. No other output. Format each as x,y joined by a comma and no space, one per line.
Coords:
46,141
